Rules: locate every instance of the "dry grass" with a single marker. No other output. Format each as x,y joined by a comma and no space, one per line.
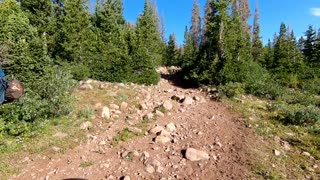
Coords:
291,164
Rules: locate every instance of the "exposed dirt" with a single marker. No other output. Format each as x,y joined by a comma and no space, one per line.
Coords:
204,125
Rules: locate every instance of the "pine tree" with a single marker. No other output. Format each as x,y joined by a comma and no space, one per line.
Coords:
171,51
114,63
196,24
256,39
280,47
76,33
308,44
27,54
148,33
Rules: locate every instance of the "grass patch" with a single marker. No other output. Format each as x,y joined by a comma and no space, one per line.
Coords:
123,136
291,164
86,164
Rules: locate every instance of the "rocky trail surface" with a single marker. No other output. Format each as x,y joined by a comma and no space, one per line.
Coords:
188,136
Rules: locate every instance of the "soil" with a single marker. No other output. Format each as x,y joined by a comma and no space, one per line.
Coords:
205,125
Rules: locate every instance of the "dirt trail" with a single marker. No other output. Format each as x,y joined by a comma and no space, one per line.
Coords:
204,125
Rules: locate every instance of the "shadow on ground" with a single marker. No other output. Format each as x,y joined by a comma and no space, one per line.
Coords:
177,80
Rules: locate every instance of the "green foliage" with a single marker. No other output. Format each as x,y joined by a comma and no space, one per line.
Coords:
231,90
297,114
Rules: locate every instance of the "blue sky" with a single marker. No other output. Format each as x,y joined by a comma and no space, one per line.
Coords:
298,14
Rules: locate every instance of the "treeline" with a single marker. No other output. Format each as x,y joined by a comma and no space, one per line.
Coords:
49,44
224,50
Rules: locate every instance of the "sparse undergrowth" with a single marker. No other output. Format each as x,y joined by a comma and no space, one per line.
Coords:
293,163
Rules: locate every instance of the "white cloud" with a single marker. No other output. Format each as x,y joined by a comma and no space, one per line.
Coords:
315,11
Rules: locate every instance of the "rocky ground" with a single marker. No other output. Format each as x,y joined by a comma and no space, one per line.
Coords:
188,136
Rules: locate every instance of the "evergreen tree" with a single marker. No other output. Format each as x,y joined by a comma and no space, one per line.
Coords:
27,54
171,51
148,33
256,39
268,55
196,24
308,45
114,63
76,35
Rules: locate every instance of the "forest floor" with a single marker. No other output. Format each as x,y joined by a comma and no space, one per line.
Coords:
166,131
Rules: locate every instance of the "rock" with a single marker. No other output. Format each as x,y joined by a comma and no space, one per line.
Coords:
56,149
102,143
60,135
188,101
97,106
114,106
163,133
143,106
144,156
145,94
306,154
148,116
155,164
124,106
126,178
167,105
196,98
171,127
150,169
196,155
86,125
106,113
159,113
276,152
135,153
134,130
86,87
156,130
162,139
178,98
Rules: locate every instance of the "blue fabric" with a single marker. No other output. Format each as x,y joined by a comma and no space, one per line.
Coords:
3,88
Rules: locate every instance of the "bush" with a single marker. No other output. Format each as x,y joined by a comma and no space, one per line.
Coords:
49,98
231,90
297,114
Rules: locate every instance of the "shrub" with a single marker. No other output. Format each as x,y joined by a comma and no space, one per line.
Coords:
231,89
297,114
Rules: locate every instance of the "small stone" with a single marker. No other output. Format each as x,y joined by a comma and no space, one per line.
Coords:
167,105
124,106
163,133
135,153
143,106
306,154
149,116
60,135
86,125
159,113
177,98
171,127
102,143
56,149
86,87
162,139
196,98
150,169
114,106
188,101
105,165
315,166
156,130
126,178
196,155
134,130
276,152
106,113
